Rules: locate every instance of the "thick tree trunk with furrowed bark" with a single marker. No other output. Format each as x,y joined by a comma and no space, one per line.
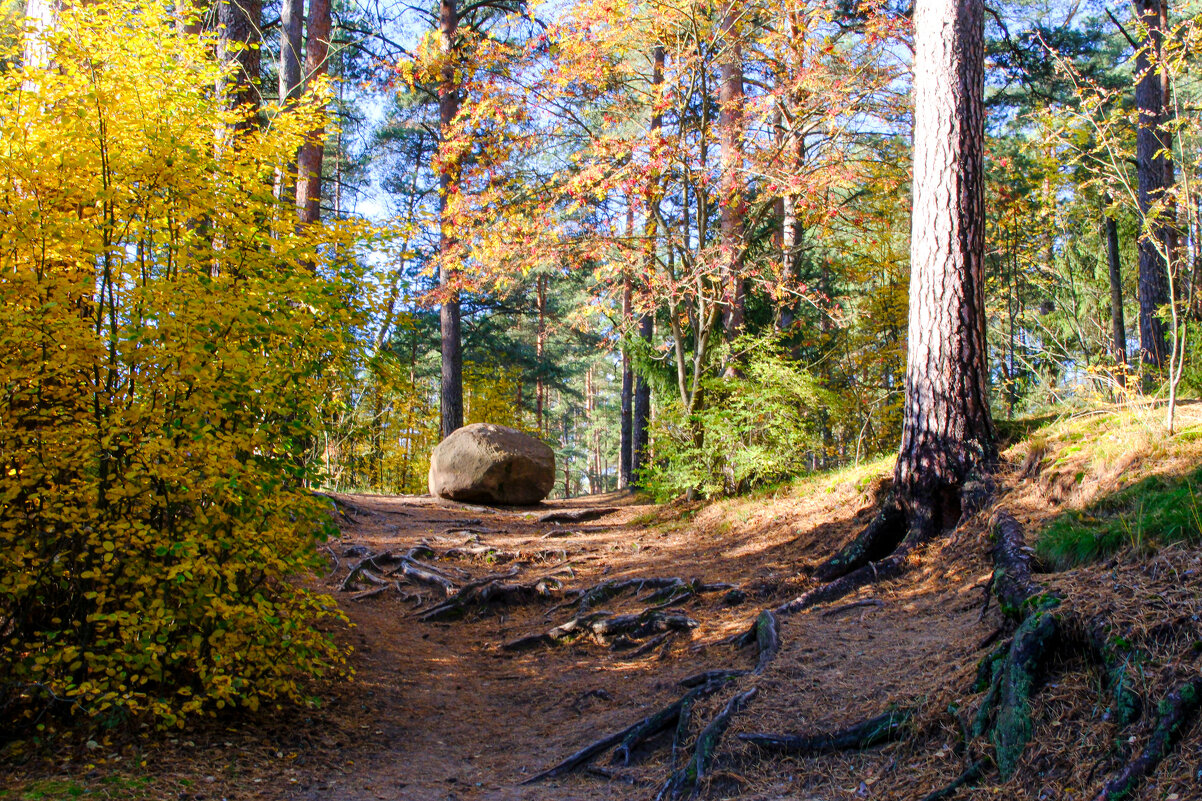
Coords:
1154,168
312,153
731,205
947,430
292,19
239,24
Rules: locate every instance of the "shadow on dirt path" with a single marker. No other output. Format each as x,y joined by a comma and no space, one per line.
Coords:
443,711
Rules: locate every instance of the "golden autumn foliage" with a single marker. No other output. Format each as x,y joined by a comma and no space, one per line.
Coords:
165,332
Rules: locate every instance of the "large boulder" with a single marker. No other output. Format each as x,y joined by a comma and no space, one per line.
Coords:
484,463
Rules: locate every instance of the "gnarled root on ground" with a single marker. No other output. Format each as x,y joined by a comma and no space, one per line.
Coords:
634,736
1174,714
881,729
686,781
603,626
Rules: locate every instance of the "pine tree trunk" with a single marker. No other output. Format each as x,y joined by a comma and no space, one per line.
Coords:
731,206
640,411
312,152
292,18
1155,173
239,24
1117,324
40,17
451,392
627,397
540,349
947,430
792,233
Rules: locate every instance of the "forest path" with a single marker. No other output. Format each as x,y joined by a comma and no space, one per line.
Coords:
439,711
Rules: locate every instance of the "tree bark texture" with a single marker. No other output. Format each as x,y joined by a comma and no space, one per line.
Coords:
238,22
240,35
451,391
627,397
732,207
312,153
292,20
947,429
640,414
1117,323
1154,169
40,16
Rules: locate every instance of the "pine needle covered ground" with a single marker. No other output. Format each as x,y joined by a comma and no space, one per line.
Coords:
468,704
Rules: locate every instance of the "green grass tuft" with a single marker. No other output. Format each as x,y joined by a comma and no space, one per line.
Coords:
1157,510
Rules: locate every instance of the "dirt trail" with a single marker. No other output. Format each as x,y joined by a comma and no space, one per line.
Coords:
441,712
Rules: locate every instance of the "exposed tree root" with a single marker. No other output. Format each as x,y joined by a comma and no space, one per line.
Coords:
481,552
686,781
493,590
874,731
866,602
577,515
603,625
1174,714
344,509
878,540
1005,711
633,736
970,774
668,590
707,676
767,636
884,569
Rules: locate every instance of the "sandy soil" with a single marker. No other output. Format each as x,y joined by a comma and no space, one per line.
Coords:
447,714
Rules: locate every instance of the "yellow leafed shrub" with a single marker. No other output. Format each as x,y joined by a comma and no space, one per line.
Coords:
164,343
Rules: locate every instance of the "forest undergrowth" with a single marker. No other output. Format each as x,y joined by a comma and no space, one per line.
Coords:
494,645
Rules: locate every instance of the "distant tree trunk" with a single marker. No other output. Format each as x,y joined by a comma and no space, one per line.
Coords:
39,17
567,459
451,393
312,152
640,411
292,19
731,206
1117,324
540,350
627,397
239,24
1155,172
792,233
947,430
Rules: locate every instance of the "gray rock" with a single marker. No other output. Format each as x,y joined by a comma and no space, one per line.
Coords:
484,463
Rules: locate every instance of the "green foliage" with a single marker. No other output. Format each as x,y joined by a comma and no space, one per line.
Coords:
753,429
164,341
1159,509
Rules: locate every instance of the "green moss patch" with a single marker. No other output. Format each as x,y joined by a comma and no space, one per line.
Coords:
1157,510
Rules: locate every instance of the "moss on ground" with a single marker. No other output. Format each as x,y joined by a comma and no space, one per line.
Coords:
1157,510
